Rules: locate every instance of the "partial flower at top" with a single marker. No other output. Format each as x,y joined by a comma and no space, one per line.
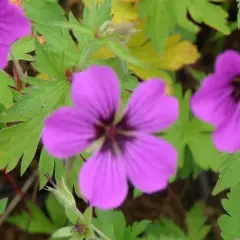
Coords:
13,25
16,2
127,149
218,101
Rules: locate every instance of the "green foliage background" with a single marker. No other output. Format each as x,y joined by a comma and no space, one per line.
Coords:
22,114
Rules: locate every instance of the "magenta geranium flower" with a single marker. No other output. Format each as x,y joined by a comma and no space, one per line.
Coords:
218,101
127,149
13,25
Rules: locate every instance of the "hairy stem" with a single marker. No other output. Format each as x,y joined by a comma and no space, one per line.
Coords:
101,234
17,70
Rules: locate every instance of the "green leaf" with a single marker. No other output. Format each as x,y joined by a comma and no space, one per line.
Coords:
112,223
162,237
210,157
121,51
165,227
129,83
160,20
190,167
64,232
38,101
7,79
230,222
50,63
39,222
56,211
46,166
15,144
21,47
186,34
72,215
59,41
229,173
164,16
42,97
96,14
177,133
137,192
16,95
59,170
195,221
30,153
22,139
77,27
36,83
77,237
202,11
212,15
87,215
63,194
139,227
44,11
198,75
72,172
3,205
6,96
191,132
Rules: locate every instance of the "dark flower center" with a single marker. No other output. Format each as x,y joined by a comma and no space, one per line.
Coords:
115,134
111,132
236,88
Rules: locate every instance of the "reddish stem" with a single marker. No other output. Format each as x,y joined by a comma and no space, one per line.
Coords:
17,78
69,74
13,183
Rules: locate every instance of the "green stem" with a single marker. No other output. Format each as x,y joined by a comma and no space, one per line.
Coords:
69,167
95,229
104,237
68,204
86,54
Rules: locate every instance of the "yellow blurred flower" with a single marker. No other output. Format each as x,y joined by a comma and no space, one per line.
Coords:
124,11
177,52
42,76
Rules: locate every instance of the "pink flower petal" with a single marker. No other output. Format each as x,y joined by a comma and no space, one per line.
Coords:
103,180
213,104
13,25
4,50
227,65
149,109
226,137
67,132
97,91
150,162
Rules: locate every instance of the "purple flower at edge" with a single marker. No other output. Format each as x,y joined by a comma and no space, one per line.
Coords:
218,101
128,150
13,25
